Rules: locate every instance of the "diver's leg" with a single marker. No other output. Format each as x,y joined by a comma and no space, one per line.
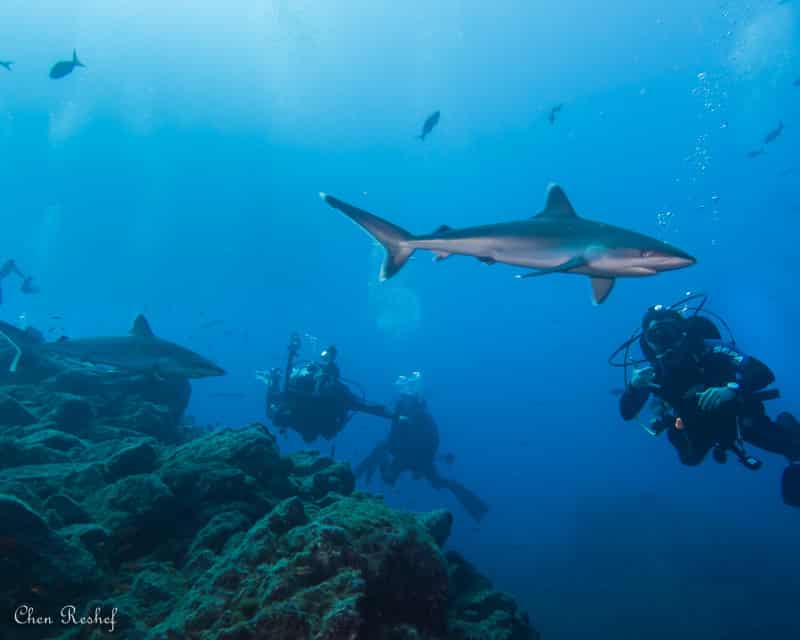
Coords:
369,464
390,471
781,436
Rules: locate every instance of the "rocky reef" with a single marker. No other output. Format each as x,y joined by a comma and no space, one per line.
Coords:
118,521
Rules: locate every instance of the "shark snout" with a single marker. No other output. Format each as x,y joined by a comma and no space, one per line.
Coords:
675,260
214,370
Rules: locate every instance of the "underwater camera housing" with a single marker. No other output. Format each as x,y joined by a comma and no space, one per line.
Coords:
790,485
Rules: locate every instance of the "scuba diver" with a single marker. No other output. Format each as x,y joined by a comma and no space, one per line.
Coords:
709,394
314,400
10,267
412,446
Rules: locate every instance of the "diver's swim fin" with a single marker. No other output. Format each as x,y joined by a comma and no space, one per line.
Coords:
476,507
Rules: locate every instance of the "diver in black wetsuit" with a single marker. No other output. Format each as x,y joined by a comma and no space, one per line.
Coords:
712,395
314,401
10,267
412,446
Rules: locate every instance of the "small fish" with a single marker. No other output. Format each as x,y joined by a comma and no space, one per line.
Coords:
755,153
211,323
430,123
551,117
773,135
56,317
65,67
6,64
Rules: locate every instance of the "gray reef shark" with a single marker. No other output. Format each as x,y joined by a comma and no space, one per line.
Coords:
556,240
139,352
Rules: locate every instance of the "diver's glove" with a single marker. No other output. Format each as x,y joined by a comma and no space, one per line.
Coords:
714,397
643,378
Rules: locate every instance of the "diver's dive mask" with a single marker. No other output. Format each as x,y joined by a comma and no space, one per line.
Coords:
665,336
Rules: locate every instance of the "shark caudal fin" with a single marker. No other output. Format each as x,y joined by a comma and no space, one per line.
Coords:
75,60
393,238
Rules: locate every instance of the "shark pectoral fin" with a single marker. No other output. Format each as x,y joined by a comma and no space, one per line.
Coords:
441,255
487,260
601,289
569,265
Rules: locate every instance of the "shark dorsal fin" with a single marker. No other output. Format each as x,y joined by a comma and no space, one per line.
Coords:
442,229
557,204
141,328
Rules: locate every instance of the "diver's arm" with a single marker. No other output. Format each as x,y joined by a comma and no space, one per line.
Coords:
631,402
748,372
637,392
373,409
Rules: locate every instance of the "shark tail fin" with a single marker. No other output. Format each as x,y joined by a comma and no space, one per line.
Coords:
393,238
75,60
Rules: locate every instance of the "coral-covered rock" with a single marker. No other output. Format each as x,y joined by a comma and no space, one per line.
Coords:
477,611
13,413
33,556
193,534
68,511
132,460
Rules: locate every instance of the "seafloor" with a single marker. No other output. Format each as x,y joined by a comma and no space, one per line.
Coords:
110,504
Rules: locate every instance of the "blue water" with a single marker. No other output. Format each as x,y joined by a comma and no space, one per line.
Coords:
178,176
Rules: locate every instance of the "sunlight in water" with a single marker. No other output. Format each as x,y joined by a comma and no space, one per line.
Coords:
396,309
766,42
